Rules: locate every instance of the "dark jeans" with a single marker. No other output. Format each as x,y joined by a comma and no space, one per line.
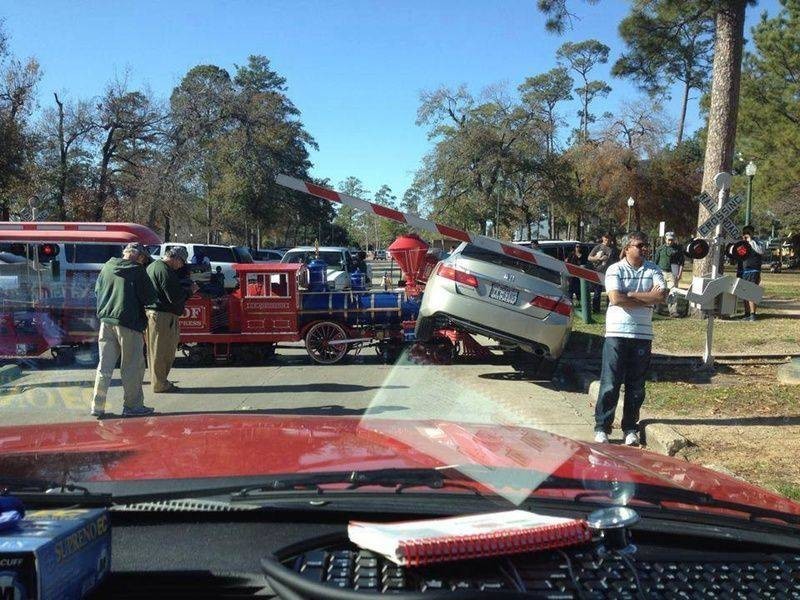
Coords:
596,291
625,361
574,288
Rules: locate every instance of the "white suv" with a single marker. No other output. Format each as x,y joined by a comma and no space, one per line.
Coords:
339,261
219,256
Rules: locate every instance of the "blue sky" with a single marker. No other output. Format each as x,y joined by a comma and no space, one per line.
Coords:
354,68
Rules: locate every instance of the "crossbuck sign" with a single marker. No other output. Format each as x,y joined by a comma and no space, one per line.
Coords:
719,216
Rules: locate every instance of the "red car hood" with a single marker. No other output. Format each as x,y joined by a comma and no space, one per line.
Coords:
215,445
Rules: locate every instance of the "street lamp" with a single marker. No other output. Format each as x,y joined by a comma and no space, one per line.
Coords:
631,202
750,171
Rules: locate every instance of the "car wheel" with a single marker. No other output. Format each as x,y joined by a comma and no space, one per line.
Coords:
424,329
533,365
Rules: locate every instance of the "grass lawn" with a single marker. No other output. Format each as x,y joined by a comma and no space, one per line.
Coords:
740,420
777,330
781,286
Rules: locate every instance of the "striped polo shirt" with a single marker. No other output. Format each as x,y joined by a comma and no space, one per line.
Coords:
632,322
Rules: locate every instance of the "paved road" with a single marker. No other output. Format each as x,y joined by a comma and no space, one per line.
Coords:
291,385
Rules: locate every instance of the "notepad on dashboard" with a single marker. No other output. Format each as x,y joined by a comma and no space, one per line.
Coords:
459,538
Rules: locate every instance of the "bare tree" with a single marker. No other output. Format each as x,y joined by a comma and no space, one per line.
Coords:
74,124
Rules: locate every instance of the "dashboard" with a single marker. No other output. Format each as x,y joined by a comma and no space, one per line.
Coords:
242,555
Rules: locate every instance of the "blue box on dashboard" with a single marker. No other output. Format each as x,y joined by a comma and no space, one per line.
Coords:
61,553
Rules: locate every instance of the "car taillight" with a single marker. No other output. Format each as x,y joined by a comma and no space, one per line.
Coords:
561,306
457,276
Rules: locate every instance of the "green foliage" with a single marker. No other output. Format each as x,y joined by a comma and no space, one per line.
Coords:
665,47
582,57
769,116
485,157
235,134
18,80
352,221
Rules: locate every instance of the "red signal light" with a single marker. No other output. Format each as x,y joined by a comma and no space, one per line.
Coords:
47,252
739,250
697,249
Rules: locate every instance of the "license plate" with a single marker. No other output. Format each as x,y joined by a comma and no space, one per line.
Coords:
504,294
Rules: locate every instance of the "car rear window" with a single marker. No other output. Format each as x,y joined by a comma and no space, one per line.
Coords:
92,253
216,254
509,262
242,254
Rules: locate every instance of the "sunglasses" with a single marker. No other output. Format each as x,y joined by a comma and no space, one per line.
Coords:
640,246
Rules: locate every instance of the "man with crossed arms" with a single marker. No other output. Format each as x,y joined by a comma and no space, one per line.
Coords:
634,286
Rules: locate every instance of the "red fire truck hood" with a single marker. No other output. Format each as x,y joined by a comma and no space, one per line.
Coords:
224,446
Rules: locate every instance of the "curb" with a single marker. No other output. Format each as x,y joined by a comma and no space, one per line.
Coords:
9,373
789,374
658,437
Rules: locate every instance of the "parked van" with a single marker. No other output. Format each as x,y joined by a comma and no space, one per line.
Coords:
219,256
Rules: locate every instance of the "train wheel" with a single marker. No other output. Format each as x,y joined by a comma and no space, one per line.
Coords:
200,354
319,342
63,356
266,352
246,354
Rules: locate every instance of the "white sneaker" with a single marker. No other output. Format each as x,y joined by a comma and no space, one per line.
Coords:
632,439
601,437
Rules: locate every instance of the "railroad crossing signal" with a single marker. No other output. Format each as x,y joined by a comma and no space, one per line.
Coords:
719,216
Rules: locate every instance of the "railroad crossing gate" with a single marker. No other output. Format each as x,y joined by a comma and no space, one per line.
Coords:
532,256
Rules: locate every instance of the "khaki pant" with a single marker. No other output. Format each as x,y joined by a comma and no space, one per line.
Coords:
163,337
116,342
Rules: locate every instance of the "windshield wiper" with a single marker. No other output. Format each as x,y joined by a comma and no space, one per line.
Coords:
42,491
399,479
659,495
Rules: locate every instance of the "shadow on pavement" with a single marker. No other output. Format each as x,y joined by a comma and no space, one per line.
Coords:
329,410
516,376
333,388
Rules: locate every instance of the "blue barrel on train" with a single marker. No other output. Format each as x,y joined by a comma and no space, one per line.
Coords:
318,275
358,281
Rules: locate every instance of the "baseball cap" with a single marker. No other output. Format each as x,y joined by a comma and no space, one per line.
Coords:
669,235
139,248
179,252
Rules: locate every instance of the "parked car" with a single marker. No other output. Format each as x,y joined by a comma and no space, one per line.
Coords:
380,254
266,255
559,249
340,262
218,256
519,304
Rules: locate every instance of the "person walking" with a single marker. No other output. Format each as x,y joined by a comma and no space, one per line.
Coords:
634,285
603,254
670,258
163,332
123,290
576,257
749,269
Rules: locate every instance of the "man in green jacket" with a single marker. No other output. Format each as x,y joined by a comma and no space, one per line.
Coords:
163,332
670,259
123,290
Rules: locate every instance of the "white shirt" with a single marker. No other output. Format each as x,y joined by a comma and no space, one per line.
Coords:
632,322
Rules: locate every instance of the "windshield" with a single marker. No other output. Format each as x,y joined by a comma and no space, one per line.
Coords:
537,283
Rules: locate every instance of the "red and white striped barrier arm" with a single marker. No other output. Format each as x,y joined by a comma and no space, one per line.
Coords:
532,256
